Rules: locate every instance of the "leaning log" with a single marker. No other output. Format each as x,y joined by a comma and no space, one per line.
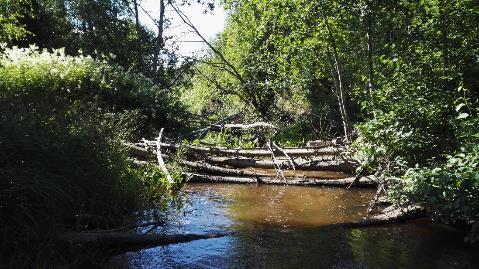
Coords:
364,182
305,165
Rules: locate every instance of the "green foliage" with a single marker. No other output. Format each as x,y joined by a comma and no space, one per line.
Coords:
422,128
229,139
62,120
77,80
451,190
11,12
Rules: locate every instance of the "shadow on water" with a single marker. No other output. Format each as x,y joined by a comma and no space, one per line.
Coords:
292,227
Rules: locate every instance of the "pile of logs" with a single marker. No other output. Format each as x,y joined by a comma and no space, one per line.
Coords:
321,163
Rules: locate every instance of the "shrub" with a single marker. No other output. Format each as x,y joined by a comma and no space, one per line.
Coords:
62,120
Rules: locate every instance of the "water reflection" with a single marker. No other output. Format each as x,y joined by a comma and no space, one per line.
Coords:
289,227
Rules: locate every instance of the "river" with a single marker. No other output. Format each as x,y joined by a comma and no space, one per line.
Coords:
293,227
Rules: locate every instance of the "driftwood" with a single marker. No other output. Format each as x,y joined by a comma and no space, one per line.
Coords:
130,241
256,125
390,215
277,168
364,182
285,154
305,165
161,163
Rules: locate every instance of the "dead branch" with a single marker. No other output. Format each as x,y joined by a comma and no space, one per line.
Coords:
256,125
277,168
285,154
204,130
161,163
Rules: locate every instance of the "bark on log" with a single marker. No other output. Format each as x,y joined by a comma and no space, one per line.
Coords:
365,182
256,152
305,165
137,151
318,144
204,167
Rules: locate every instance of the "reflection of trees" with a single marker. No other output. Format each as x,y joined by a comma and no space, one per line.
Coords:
410,246
289,248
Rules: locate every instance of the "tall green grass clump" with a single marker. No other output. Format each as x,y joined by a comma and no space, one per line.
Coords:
62,165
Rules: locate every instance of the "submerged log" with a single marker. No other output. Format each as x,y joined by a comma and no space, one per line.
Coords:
390,215
305,165
129,241
364,182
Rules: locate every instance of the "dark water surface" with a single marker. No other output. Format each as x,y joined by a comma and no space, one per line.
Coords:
291,227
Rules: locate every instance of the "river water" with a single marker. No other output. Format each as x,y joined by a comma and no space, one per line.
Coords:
293,227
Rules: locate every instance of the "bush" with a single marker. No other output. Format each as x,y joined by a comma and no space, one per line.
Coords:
62,120
451,190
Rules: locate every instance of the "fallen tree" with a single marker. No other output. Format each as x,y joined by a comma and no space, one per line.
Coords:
256,152
306,165
364,182
204,167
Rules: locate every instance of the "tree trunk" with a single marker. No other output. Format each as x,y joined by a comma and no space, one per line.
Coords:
369,47
157,66
340,84
137,27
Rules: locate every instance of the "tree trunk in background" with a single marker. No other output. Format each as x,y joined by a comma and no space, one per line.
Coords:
341,94
442,7
137,27
157,67
369,46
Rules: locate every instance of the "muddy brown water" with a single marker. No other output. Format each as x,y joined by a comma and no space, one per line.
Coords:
292,227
